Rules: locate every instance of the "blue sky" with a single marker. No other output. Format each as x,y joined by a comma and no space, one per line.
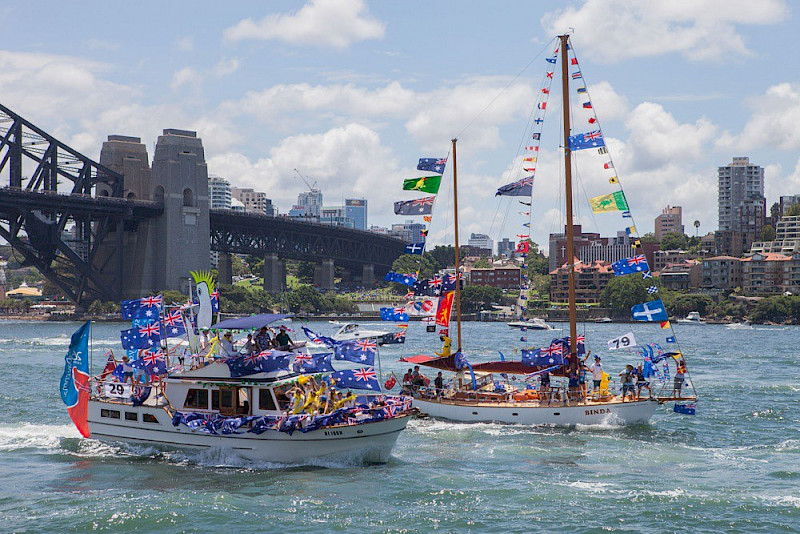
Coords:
351,93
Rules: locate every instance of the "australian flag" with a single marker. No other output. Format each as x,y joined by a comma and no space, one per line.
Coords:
362,351
325,340
432,164
149,307
582,141
520,188
396,338
316,363
152,363
140,338
636,264
364,378
542,357
415,248
173,324
261,362
421,287
449,283
405,279
394,314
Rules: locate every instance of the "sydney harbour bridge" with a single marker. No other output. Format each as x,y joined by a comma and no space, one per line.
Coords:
123,227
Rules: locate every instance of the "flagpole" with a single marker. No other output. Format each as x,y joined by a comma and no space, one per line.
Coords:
455,221
573,327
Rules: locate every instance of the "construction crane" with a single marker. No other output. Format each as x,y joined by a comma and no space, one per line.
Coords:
311,187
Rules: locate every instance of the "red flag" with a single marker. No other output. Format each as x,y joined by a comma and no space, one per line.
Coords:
523,247
111,364
443,310
574,61
391,382
545,90
606,165
592,120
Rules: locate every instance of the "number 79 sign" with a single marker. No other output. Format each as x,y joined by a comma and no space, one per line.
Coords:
622,342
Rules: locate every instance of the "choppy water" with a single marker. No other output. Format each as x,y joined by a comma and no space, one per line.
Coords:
734,467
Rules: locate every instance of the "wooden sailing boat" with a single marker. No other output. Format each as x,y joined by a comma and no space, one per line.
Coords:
478,399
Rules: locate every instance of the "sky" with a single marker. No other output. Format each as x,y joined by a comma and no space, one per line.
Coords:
351,93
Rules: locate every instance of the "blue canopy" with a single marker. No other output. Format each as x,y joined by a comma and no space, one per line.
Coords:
249,323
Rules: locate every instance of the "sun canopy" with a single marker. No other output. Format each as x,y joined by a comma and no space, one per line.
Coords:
249,323
448,364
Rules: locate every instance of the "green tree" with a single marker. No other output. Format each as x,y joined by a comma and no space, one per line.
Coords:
475,298
482,263
674,241
649,237
680,304
409,263
238,266
775,212
767,233
444,255
305,272
775,309
622,292
537,264
793,210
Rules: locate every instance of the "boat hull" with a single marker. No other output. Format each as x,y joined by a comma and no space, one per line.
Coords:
614,413
365,443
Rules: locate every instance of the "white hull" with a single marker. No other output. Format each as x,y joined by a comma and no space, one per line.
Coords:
615,413
367,443
538,325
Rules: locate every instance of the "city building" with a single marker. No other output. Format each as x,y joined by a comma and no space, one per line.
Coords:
506,248
253,201
662,258
590,280
742,206
310,202
356,210
722,272
787,201
791,274
409,231
482,242
762,274
670,220
686,274
219,193
787,238
608,249
508,277
336,216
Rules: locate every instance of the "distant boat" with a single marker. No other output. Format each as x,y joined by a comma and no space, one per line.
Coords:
603,320
739,326
692,318
353,331
533,323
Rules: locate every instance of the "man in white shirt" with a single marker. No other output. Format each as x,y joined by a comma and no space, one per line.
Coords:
597,373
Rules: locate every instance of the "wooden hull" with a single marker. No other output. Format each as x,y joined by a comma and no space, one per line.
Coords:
612,413
366,443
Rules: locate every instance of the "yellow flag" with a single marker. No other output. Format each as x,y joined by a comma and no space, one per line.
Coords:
613,180
427,218
665,325
613,202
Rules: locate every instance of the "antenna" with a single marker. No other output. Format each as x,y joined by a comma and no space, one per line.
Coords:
310,186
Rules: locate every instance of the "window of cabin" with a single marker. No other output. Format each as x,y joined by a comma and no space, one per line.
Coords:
265,400
280,396
111,414
196,398
131,416
223,400
149,418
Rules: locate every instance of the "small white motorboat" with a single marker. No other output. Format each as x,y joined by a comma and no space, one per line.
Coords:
692,318
739,326
533,323
351,331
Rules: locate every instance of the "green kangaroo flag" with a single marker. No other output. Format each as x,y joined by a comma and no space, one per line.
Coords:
428,184
613,202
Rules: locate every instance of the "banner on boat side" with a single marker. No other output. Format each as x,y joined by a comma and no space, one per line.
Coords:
117,390
443,309
74,386
622,342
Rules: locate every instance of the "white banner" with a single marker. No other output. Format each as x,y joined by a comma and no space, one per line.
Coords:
622,342
117,389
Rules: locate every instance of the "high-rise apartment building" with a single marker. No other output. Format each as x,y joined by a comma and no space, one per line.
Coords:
254,201
310,202
670,220
356,209
482,241
506,247
219,193
742,206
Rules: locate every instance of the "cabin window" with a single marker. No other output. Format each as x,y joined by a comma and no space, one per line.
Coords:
222,399
131,416
149,418
280,396
265,400
111,414
196,398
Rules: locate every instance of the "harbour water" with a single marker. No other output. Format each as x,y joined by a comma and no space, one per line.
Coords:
734,467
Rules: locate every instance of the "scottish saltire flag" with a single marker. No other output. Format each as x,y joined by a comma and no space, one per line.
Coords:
316,363
362,351
152,363
649,311
394,314
520,188
418,206
364,378
138,308
74,385
586,140
635,264
405,279
261,362
325,340
173,325
432,164
134,339
415,248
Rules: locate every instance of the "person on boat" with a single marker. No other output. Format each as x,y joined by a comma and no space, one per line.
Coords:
544,386
627,382
574,384
249,345
282,340
438,383
641,382
262,340
205,341
445,347
226,345
418,380
680,376
597,373
127,369
407,378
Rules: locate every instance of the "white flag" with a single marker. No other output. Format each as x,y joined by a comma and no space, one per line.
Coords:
622,342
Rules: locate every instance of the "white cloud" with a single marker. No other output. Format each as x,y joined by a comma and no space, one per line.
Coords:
775,121
608,104
325,23
185,76
613,30
185,44
226,67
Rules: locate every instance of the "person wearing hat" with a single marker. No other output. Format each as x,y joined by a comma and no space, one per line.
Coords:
283,339
597,373
226,345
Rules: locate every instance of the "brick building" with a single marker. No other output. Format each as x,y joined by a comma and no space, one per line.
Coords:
722,272
502,277
590,280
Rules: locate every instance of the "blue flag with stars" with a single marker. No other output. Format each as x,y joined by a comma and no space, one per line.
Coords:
432,164
364,378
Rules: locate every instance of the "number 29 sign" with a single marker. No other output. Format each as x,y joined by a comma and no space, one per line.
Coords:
117,389
622,342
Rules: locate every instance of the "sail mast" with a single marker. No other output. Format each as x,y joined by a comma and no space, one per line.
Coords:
573,327
455,221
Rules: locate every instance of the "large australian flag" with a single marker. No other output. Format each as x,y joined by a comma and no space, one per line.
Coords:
432,164
364,378
362,351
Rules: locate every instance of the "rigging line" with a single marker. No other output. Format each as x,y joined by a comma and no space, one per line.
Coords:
502,91
428,228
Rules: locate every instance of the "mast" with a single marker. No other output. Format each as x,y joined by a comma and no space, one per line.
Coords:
458,271
573,327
